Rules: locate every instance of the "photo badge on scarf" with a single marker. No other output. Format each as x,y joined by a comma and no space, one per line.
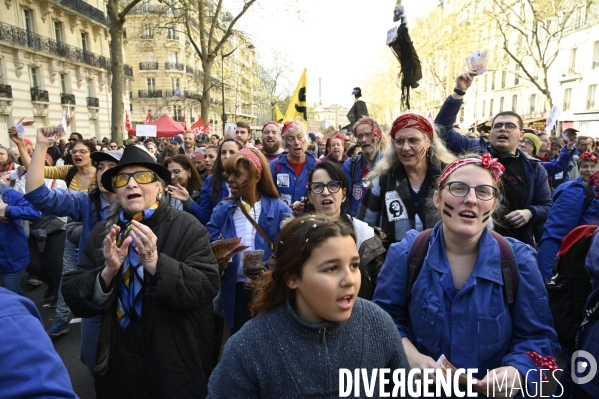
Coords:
396,210
357,192
283,180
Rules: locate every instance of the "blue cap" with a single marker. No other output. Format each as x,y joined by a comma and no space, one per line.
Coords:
176,140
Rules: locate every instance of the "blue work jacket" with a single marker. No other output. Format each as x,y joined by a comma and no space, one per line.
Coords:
272,213
204,209
356,187
75,204
14,251
472,327
567,213
290,187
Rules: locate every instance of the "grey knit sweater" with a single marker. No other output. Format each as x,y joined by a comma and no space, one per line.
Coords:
279,355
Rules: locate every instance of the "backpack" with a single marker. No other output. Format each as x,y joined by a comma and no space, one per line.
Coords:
70,175
509,265
570,286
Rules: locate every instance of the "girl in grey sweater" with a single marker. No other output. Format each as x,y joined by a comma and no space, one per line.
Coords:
310,322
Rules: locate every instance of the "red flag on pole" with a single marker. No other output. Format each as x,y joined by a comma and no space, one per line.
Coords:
207,128
184,122
127,122
198,125
148,119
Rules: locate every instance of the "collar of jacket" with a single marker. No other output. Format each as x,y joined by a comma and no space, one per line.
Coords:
267,208
310,160
308,330
488,262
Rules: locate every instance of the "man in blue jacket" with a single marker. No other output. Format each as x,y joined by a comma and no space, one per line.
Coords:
526,197
368,134
290,172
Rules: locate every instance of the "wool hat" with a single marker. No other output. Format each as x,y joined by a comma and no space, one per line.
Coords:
138,156
536,141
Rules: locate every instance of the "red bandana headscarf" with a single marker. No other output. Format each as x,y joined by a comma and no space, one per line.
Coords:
249,154
487,162
413,121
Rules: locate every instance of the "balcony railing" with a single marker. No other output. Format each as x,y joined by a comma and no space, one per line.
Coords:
192,95
173,66
148,66
128,70
93,102
21,37
5,91
39,95
570,71
150,94
156,10
173,93
189,69
66,98
147,36
85,9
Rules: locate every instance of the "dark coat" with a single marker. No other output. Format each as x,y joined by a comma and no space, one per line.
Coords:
166,354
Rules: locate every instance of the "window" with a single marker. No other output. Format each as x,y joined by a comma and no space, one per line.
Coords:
484,108
173,57
63,83
172,34
177,113
567,96
89,87
501,104
503,76
175,84
491,107
591,96
146,32
34,78
514,103
28,20
58,31
84,41
517,75
493,81
579,16
2,72
533,101
572,65
595,63
151,84
485,87
145,7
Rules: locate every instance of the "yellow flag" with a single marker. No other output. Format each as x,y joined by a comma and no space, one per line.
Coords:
298,106
279,115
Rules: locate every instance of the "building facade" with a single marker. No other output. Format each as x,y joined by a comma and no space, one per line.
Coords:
54,55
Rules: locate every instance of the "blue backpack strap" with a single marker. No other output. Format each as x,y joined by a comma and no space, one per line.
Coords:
509,268
416,257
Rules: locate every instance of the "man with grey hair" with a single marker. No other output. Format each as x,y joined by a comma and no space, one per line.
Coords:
583,143
290,172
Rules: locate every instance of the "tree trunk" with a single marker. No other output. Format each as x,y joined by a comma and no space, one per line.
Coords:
118,74
206,85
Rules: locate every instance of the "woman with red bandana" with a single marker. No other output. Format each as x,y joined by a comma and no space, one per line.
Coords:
462,302
254,201
405,177
337,153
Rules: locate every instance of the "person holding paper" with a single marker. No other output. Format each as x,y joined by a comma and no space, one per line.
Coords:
148,270
527,197
253,212
477,298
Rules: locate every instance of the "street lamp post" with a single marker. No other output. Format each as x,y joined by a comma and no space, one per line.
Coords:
224,117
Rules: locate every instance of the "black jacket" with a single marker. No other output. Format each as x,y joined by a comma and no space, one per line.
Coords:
166,354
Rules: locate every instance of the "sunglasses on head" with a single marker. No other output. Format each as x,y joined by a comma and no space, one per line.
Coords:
122,179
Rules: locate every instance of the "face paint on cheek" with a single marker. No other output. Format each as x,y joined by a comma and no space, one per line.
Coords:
448,206
486,213
446,213
243,184
485,219
423,151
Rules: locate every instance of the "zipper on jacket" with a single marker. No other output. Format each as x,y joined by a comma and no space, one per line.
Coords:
321,335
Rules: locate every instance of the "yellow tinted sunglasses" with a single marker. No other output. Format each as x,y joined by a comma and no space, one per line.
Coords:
122,179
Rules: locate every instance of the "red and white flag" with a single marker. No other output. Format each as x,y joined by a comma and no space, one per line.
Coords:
207,129
184,122
127,122
148,119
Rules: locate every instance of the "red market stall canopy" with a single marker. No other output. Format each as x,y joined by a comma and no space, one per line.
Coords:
165,127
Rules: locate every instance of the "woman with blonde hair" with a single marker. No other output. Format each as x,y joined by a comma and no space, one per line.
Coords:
402,184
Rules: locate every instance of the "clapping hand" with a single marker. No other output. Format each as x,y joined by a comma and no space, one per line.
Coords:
114,255
179,192
145,243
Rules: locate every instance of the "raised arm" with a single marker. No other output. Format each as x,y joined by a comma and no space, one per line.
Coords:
35,170
23,154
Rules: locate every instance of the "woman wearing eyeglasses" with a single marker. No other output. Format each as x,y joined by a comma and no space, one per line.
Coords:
477,297
215,186
253,212
150,272
186,184
328,194
406,176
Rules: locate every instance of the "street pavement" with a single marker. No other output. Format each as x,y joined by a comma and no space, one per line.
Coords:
67,346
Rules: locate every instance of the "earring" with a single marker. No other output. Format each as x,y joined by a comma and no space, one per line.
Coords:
158,196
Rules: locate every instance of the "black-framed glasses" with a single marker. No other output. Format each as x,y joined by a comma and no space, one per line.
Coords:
333,186
527,142
412,142
509,127
144,177
483,192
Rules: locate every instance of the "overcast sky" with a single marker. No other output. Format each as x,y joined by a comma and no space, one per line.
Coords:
336,40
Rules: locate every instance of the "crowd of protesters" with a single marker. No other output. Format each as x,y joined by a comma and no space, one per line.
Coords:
298,253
